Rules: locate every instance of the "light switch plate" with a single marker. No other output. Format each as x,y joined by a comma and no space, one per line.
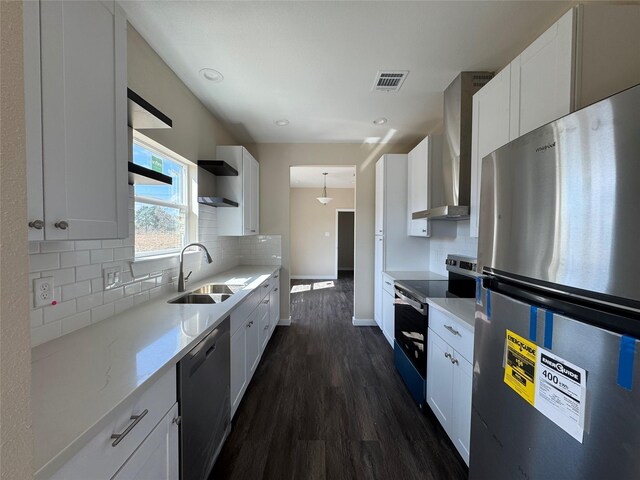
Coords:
43,292
112,277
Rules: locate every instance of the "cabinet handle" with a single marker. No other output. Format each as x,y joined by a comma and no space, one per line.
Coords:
447,355
62,224
265,301
276,276
455,361
253,231
37,224
117,437
266,326
266,286
177,420
249,324
275,289
452,330
387,282
424,230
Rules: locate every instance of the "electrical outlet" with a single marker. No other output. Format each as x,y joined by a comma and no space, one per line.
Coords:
43,292
112,277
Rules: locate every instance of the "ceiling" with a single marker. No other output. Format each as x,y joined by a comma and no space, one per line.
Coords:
314,62
311,177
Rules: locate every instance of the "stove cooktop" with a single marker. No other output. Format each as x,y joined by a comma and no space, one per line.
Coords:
422,289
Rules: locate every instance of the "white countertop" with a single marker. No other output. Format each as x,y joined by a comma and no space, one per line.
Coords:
80,378
414,275
464,309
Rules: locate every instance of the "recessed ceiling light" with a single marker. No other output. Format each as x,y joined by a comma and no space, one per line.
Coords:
380,121
212,75
282,122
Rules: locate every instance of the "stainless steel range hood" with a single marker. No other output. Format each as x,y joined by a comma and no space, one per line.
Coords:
450,176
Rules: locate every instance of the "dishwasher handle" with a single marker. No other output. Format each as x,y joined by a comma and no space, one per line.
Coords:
199,354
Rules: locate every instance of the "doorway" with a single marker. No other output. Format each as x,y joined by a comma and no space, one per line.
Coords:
345,241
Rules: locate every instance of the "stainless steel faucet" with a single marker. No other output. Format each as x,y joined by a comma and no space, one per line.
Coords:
181,278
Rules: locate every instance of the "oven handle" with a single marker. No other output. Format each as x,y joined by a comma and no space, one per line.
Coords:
413,303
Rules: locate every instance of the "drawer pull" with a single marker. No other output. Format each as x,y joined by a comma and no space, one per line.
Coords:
266,286
265,301
447,355
117,437
452,330
275,289
388,283
455,361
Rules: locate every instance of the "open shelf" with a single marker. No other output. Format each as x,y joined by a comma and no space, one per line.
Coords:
141,114
218,167
139,175
217,202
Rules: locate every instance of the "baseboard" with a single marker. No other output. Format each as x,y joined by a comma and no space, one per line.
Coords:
313,277
284,322
363,322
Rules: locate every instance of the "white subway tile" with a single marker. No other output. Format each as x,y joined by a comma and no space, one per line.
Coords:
155,292
124,253
75,322
124,304
148,284
141,298
88,272
102,255
73,259
34,247
36,317
46,332
111,243
100,313
97,285
88,244
132,289
113,294
62,246
89,301
69,292
62,277
61,310
43,261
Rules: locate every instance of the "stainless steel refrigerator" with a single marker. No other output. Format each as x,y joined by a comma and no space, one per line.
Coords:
556,387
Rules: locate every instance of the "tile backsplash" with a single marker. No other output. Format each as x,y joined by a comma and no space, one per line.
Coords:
446,238
76,268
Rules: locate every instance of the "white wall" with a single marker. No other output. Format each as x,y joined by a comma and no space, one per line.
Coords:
449,237
313,253
16,443
276,159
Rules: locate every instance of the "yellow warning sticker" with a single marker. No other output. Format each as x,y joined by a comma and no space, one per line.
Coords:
520,366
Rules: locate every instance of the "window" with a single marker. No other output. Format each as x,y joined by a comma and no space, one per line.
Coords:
161,211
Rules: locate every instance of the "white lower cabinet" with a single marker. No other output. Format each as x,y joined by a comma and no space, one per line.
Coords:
254,323
157,457
450,381
388,316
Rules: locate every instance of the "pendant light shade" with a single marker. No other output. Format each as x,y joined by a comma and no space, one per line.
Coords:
324,199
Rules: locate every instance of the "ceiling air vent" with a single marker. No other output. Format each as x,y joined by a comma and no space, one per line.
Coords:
390,80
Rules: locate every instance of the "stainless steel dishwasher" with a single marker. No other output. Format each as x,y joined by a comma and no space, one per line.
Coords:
203,388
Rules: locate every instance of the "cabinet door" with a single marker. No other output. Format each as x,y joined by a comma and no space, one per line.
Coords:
238,366
377,279
490,130
33,117
541,78
253,340
388,316
265,322
255,197
157,457
440,379
274,308
417,188
379,193
84,119
461,419
246,193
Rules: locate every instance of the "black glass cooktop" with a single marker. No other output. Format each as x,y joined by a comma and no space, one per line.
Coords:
422,289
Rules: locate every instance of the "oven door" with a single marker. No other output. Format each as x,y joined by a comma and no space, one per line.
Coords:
411,329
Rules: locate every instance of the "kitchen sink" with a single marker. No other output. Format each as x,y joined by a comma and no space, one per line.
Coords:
217,288
201,298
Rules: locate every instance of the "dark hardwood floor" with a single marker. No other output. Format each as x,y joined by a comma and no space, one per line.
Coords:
326,403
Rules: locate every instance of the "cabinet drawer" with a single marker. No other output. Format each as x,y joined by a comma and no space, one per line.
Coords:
240,315
452,332
99,458
388,284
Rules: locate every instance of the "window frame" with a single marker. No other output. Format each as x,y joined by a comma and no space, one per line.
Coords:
186,208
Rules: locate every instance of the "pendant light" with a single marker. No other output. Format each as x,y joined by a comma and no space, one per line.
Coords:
324,199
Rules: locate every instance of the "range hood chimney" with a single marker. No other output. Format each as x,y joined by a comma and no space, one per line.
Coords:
450,176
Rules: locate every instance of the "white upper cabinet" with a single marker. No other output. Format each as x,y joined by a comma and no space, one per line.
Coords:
418,183
76,119
541,78
244,189
379,202
490,130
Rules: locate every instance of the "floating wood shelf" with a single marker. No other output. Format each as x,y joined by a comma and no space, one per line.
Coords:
217,202
218,167
141,114
139,175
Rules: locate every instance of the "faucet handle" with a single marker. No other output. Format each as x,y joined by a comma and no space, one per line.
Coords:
188,275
